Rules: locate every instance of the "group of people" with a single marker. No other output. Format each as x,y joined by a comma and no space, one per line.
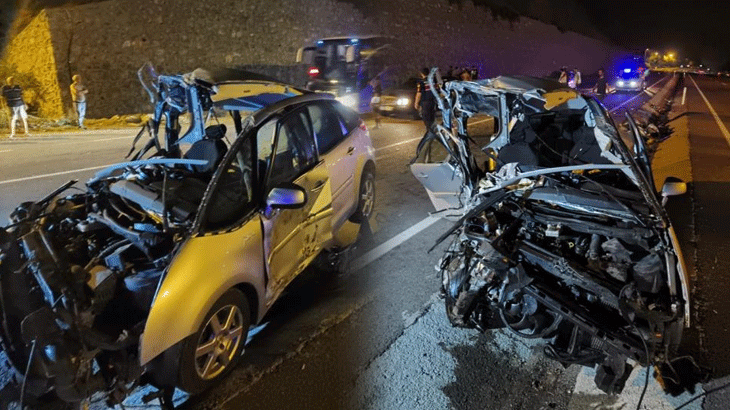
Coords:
572,78
13,95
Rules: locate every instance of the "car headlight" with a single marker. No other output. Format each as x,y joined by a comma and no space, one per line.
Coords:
633,83
402,101
349,100
620,83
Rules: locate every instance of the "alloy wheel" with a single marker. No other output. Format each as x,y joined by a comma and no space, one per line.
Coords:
218,342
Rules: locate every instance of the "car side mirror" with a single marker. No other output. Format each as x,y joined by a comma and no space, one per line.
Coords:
286,196
673,186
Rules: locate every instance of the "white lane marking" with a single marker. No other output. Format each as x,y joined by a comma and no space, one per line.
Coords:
112,139
416,139
397,143
6,150
55,174
391,243
724,131
634,97
684,94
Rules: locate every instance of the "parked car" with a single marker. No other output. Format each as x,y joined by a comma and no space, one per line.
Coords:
154,272
566,239
630,80
398,100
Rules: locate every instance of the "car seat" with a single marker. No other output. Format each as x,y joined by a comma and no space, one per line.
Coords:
211,148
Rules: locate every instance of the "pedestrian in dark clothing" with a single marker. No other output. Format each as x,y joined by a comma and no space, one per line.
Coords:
601,85
375,101
425,101
14,98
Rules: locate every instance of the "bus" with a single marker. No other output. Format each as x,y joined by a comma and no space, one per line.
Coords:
343,66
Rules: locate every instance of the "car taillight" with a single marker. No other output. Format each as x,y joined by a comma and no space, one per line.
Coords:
313,71
363,126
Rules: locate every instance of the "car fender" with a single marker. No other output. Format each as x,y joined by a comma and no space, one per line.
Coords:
205,268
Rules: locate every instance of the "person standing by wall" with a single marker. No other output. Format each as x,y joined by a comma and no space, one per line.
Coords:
425,101
14,97
78,95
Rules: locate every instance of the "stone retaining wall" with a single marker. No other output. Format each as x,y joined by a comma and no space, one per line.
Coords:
107,41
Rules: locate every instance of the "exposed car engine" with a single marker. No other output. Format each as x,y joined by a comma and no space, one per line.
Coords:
79,274
593,286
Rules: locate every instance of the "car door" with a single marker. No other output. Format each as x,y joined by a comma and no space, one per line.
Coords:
338,150
293,237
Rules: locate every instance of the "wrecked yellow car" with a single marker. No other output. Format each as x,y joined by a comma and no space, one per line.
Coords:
154,273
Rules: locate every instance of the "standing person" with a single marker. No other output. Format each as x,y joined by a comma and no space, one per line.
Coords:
375,101
601,85
425,101
78,95
14,97
576,78
563,79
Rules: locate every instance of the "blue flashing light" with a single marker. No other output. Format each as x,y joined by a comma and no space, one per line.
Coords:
354,41
627,70
320,42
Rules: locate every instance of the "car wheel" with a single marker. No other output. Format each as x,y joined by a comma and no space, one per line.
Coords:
366,198
214,350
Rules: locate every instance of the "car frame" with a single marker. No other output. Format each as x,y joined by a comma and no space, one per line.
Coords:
538,233
152,226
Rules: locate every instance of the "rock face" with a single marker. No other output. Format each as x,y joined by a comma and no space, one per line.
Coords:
107,42
31,55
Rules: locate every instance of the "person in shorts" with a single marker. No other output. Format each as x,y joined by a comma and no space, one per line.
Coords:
14,98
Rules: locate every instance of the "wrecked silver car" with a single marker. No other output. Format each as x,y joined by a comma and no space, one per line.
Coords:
153,274
560,234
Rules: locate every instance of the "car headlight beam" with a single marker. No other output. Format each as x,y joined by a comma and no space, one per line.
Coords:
620,83
348,100
402,102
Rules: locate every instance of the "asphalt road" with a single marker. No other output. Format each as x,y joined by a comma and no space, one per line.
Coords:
376,337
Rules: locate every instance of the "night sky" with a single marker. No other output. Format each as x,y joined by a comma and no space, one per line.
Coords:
696,29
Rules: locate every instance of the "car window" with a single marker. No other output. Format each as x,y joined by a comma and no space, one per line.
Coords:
295,151
327,126
349,118
233,195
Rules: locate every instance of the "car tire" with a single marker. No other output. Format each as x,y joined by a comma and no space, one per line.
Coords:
214,350
365,198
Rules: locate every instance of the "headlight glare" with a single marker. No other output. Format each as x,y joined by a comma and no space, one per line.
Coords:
348,100
402,101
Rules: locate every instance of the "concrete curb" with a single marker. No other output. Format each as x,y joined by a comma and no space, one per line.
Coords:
672,155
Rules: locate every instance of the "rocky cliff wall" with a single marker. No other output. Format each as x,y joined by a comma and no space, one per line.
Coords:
30,59
107,41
